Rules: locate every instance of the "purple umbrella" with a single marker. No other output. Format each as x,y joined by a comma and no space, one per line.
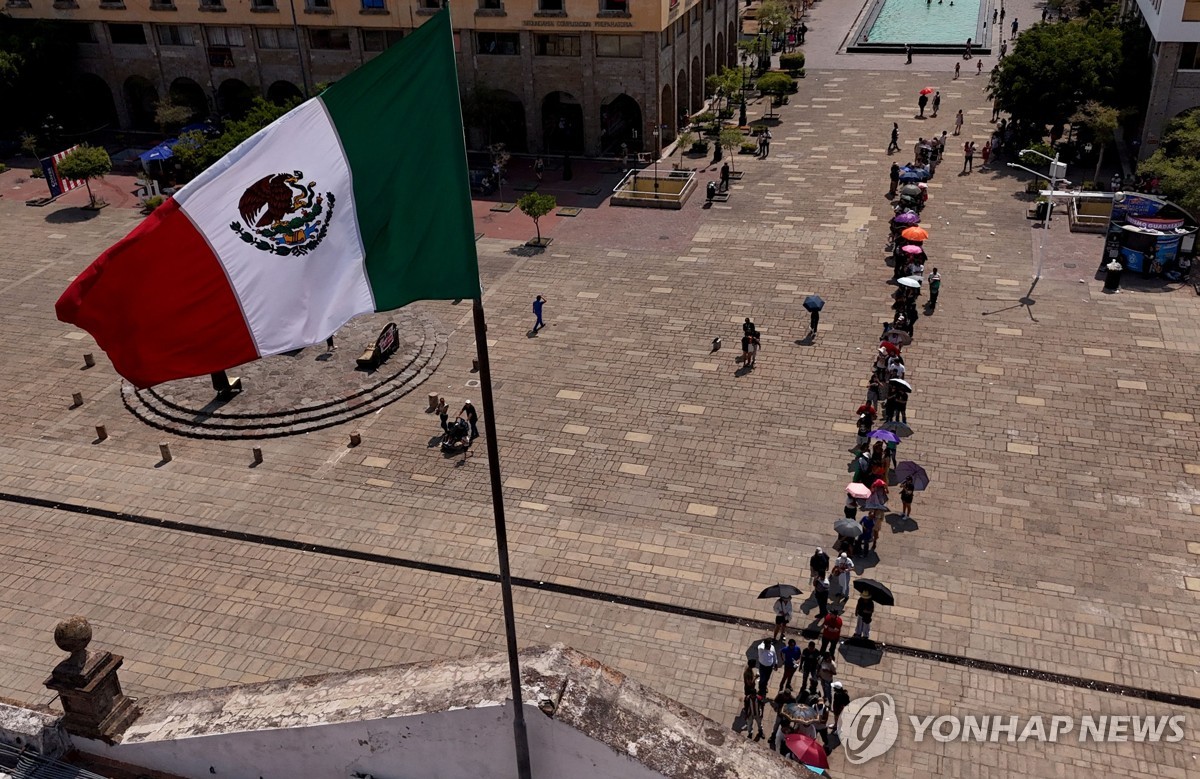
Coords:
886,436
907,218
908,469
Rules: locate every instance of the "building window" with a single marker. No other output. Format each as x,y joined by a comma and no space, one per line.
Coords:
619,46
551,5
681,26
708,5
276,38
127,34
620,6
1189,56
84,32
664,38
557,45
317,6
491,5
329,39
380,40
225,36
1191,11
430,5
212,5
374,5
696,11
263,5
176,35
498,42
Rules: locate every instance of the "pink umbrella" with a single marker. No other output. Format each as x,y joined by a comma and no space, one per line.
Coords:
856,490
911,249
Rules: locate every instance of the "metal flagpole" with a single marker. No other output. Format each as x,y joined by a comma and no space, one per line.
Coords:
520,735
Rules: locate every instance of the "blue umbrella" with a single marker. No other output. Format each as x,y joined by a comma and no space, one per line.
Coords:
160,152
814,303
886,436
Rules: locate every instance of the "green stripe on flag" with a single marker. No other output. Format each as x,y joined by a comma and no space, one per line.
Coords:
400,123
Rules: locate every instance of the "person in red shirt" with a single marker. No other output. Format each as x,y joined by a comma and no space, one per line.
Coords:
831,632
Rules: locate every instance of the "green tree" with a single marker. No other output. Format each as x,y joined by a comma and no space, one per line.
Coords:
731,140
1055,69
195,151
758,48
1176,163
86,163
171,116
773,18
535,206
776,85
1100,121
684,142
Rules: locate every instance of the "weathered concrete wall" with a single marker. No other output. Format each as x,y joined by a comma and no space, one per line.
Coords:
24,728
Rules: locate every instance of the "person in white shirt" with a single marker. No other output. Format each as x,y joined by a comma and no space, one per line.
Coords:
766,664
783,615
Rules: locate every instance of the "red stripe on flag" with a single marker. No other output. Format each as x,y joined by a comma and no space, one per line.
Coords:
159,303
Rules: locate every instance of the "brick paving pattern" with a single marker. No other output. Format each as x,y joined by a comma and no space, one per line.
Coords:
1059,533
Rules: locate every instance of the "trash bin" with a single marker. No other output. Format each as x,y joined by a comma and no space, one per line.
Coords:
1112,276
1041,210
711,190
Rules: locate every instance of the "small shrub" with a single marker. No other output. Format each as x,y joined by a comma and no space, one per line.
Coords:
793,62
749,147
699,146
3,167
153,202
35,173
704,118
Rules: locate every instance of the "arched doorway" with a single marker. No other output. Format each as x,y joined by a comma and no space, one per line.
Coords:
562,123
620,123
681,99
731,45
187,93
234,98
89,104
284,92
140,98
666,117
710,65
494,116
721,61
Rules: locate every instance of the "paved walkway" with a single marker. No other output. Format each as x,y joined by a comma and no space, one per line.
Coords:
1059,534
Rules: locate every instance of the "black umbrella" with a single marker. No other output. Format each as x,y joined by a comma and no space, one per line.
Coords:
779,591
814,303
879,593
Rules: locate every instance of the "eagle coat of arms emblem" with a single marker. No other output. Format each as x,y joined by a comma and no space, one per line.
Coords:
284,216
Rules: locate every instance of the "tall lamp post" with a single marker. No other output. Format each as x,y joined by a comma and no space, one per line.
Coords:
657,154
742,111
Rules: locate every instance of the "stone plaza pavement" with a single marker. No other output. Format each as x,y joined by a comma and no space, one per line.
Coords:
1059,534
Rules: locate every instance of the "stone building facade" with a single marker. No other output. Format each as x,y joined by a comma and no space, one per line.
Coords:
546,76
1175,53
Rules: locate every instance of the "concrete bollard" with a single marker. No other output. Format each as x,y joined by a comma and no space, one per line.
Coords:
76,399
101,432
165,451
474,366
258,458
355,440
89,361
433,401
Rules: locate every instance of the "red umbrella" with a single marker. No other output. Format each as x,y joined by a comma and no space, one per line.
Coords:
807,750
928,91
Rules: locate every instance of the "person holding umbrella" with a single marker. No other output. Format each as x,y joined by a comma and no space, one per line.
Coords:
864,610
813,304
906,497
783,615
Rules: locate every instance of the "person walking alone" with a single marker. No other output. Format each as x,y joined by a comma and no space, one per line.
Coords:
895,142
957,70
814,319
908,53
538,303
968,156
937,102
935,286
922,101
958,122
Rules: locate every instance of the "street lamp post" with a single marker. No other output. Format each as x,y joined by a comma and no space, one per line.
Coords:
657,154
742,112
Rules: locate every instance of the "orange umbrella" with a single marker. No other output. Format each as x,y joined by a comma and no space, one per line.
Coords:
915,234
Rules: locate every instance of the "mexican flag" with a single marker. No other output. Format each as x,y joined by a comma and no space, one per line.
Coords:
355,201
